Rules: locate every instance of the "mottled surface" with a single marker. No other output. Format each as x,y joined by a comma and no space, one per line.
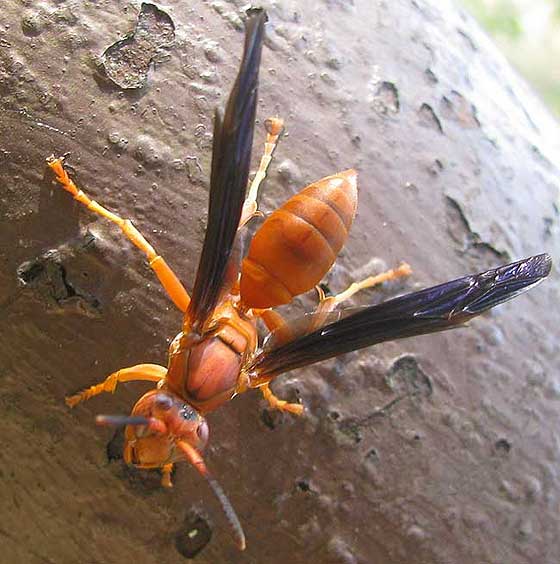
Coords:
127,61
438,449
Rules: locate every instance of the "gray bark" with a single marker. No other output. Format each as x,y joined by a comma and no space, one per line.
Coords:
458,172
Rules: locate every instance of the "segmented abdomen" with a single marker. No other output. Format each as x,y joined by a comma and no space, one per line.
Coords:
297,245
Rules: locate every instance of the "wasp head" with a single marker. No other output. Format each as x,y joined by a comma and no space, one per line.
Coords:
163,429
159,421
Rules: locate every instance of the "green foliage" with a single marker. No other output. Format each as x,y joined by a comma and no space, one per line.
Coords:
499,18
537,61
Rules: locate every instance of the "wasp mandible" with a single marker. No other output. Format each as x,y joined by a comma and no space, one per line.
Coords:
218,353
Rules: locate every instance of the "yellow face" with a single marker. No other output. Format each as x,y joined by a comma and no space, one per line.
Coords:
151,451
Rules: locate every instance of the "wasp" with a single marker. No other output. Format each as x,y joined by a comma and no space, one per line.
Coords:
218,353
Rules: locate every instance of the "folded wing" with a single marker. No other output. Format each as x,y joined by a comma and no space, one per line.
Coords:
434,309
231,156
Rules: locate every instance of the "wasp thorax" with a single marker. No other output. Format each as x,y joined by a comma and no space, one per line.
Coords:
213,368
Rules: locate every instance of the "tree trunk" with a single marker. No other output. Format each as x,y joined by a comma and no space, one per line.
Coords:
457,173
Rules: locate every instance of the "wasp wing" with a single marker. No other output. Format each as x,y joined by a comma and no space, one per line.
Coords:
427,311
231,156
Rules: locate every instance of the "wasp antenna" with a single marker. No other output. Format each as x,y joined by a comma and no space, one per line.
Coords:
229,511
195,458
122,420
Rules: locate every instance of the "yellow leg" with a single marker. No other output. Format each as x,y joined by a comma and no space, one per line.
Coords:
275,322
167,277
274,128
166,470
149,372
328,304
281,405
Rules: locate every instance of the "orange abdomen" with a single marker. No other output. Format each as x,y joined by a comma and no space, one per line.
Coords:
297,245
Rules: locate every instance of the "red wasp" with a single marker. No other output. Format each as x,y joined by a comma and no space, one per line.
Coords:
217,354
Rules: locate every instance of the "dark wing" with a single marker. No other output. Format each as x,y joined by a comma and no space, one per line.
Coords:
231,156
427,311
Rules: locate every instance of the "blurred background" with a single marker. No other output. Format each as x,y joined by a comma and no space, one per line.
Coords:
527,32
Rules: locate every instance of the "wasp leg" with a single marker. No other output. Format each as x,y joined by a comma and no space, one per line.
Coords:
281,405
167,277
275,322
274,128
166,470
328,304
149,372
